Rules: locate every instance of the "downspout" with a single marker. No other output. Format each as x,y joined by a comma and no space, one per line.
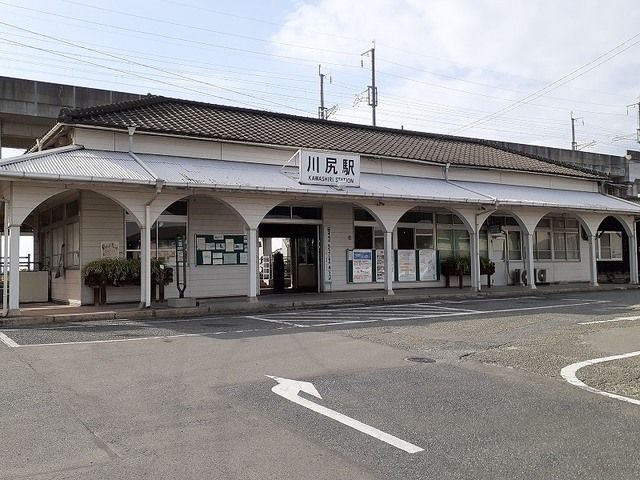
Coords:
5,246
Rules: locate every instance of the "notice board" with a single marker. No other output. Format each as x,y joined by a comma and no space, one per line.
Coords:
221,249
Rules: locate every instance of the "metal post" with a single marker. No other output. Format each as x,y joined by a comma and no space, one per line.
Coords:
531,277
252,251
593,260
388,262
372,90
147,250
14,268
574,144
321,110
633,259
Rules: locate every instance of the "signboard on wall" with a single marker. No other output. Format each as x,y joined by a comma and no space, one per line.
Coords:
406,265
221,249
329,168
428,265
380,266
327,254
362,266
110,249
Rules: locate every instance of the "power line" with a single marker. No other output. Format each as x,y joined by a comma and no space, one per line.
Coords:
578,72
184,77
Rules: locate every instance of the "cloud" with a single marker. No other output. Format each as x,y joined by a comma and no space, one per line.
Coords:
444,63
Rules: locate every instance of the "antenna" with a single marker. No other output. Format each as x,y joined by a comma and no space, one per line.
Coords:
372,90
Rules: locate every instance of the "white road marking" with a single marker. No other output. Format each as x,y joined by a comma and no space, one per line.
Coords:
569,374
618,319
289,389
8,341
510,299
138,339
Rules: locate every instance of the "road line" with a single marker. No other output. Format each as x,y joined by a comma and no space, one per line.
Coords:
617,319
8,341
138,339
569,374
510,299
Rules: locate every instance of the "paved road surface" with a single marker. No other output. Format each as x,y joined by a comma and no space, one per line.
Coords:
191,398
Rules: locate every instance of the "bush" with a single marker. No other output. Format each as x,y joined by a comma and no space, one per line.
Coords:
110,271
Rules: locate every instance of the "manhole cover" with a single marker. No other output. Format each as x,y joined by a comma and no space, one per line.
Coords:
420,360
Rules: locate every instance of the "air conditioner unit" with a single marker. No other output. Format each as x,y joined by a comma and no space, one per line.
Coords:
516,276
541,275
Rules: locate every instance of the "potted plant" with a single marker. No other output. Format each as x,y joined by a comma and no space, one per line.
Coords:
488,268
455,265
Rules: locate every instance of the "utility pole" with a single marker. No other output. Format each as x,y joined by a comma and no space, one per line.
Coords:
372,91
574,144
636,105
322,110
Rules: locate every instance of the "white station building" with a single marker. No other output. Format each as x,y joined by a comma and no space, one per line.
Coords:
348,207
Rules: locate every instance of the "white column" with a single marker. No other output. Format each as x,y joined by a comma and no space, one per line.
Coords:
14,268
476,278
143,289
145,258
252,253
388,262
593,260
633,258
531,277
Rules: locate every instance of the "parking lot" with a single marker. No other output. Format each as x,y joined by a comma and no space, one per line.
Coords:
330,393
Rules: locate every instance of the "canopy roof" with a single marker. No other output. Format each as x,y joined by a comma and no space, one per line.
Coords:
78,164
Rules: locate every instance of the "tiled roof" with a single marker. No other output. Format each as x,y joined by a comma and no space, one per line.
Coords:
183,117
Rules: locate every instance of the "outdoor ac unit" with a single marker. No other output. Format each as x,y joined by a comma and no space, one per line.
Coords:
541,275
516,276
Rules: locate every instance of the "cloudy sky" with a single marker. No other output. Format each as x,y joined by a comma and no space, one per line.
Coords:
507,70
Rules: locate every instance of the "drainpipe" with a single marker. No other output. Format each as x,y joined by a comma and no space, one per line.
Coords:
5,279
131,131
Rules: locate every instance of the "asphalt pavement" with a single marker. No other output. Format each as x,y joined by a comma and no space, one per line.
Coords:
192,398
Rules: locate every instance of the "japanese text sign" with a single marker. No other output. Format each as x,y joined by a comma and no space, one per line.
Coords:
325,168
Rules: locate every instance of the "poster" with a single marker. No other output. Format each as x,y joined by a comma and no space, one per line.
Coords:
230,258
244,258
200,243
362,266
428,263
218,237
229,245
406,265
206,258
327,255
379,265
110,249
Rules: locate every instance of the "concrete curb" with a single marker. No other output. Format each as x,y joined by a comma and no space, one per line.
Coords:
244,307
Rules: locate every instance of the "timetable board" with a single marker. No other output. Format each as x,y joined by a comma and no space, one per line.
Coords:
221,249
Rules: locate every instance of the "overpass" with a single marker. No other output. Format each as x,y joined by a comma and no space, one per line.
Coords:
28,108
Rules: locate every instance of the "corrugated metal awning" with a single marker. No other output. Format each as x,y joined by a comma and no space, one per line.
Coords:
78,164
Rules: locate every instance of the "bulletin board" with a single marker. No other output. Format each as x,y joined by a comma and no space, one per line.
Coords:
221,249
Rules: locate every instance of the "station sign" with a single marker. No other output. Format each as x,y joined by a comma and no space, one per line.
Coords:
329,168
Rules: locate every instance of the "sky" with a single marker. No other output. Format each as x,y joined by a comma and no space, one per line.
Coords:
504,70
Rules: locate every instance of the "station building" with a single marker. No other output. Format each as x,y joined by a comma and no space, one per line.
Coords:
341,206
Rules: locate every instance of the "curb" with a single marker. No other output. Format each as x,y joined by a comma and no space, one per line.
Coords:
263,306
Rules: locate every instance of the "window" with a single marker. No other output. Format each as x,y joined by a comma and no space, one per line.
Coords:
451,236
609,246
163,234
294,213
415,216
378,239
73,209
363,237
361,215
72,245
57,213
557,238
405,238
514,245
424,238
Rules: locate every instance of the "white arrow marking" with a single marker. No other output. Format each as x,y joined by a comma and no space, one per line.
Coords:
289,389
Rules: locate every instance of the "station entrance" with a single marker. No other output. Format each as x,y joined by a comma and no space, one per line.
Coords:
288,258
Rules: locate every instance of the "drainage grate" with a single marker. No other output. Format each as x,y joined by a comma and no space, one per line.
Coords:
420,360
